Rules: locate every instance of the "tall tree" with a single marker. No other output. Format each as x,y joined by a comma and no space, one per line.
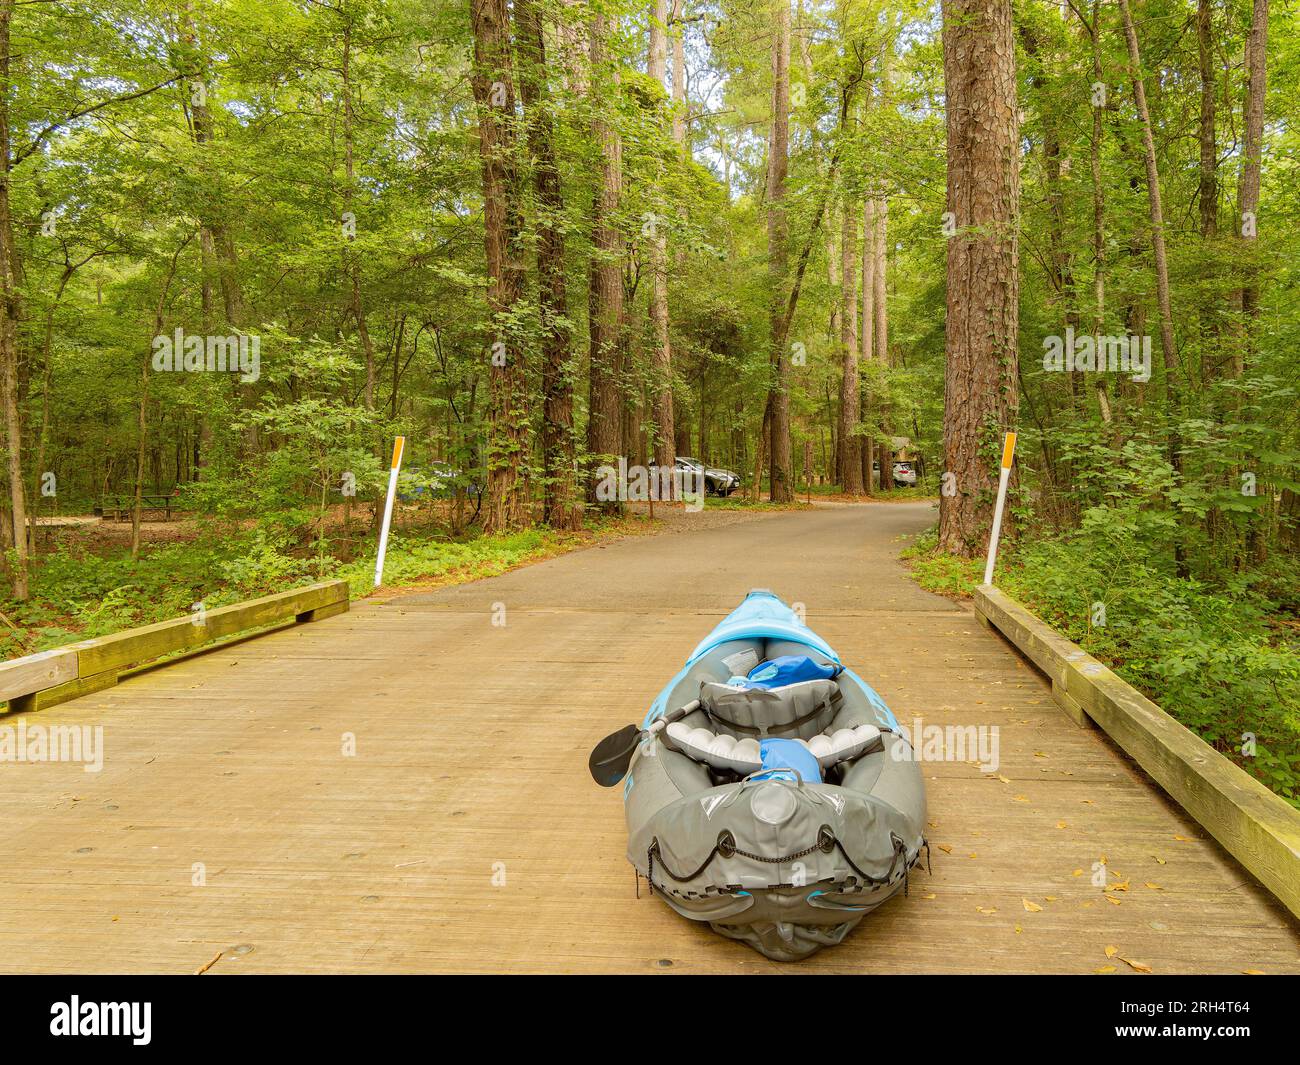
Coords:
849,474
1253,138
661,359
560,506
778,403
10,315
492,83
868,346
1161,257
1209,186
504,140
980,397
680,115
605,303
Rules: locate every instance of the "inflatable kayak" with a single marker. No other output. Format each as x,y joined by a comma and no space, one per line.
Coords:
769,790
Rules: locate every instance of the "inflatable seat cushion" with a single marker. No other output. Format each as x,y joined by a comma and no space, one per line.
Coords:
743,756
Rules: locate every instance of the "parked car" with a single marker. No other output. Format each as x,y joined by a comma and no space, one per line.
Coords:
437,480
904,474
717,482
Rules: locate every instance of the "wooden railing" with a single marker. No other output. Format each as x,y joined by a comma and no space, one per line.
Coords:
51,677
1260,829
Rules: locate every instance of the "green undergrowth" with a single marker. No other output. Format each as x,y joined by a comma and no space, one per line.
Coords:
1221,657
78,594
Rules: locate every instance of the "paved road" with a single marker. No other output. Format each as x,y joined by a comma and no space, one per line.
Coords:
404,788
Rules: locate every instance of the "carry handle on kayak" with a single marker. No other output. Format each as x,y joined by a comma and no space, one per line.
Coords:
611,757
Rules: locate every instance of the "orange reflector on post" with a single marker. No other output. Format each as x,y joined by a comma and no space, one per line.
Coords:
398,444
1008,449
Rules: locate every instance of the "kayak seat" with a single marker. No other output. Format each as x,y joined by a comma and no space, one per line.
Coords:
744,756
793,711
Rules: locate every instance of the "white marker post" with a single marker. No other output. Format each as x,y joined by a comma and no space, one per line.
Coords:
398,445
1008,450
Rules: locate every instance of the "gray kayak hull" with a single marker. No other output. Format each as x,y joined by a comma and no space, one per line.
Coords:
783,865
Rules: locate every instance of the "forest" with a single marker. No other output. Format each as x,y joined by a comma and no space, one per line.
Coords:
246,243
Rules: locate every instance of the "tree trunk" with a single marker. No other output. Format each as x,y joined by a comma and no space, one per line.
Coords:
833,258
43,435
782,487
880,336
349,191
679,78
867,443
508,427
661,360
143,407
880,308
849,473
217,248
1252,148
1209,185
605,303
980,397
1248,197
10,314
1172,412
560,506
1098,208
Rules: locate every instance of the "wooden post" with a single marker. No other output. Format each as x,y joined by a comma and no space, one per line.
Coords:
398,446
1008,452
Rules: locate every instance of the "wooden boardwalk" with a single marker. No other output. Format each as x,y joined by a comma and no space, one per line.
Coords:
465,835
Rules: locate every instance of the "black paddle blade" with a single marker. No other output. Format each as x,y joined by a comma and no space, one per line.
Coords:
609,761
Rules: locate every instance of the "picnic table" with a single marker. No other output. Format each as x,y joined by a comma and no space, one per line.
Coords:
118,508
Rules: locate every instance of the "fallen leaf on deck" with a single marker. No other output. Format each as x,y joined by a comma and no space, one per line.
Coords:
1111,951
1139,966
1032,907
1105,969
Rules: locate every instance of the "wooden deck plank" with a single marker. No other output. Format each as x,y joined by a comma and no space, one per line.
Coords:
471,746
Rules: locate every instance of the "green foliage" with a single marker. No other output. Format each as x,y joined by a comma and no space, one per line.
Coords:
1210,656
78,595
